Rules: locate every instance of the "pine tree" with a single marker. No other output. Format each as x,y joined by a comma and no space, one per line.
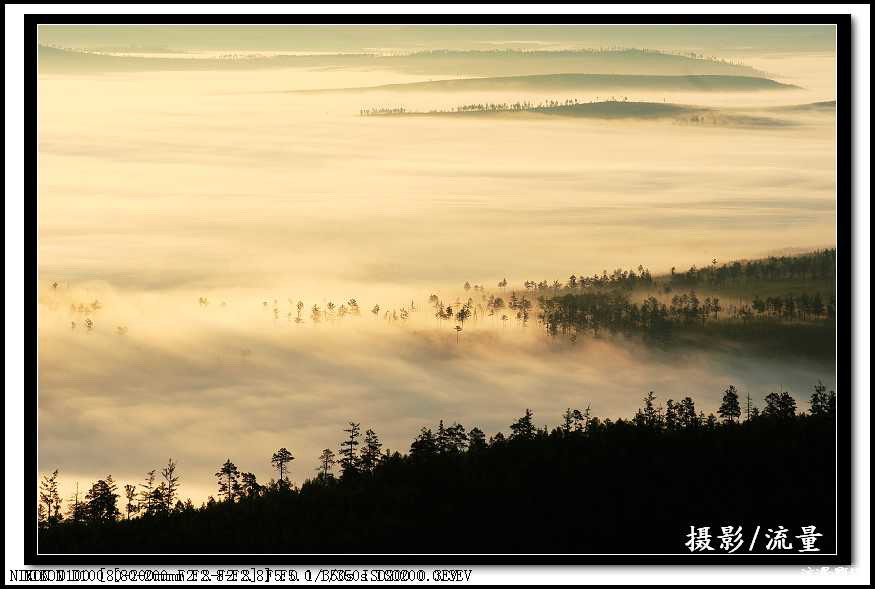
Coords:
648,416
523,428
672,415
457,439
171,483
147,494
102,500
326,461
823,404
689,418
476,439
249,484
228,482
370,454
729,408
349,460
50,500
78,510
279,460
130,495
441,439
781,406
424,446
567,421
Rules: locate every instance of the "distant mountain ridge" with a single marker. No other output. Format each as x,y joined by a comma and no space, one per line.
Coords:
574,81
445,63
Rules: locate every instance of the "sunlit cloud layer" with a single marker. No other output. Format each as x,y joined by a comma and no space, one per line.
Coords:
156,189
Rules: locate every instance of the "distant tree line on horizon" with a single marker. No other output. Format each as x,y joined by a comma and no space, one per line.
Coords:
518,106
817,265
613,49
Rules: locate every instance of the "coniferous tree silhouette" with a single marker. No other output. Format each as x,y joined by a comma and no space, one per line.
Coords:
456,438
823,404
130,497
101,501
583,459
279,460
688,417
327,461
424,445
249,485
147,494
476,439
171,483
729,408
523,428
648,416
49,511
78,511
370,454
228,480
780,407
349,459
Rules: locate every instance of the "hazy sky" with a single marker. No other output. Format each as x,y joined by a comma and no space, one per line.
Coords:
718,39
160,187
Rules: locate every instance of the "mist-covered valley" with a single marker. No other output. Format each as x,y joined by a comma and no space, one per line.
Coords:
165,184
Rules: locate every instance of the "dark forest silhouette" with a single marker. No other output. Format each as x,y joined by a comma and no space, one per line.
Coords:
587,485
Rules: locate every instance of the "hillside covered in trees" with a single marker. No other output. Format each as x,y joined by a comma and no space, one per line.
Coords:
783,305
616,106
587,485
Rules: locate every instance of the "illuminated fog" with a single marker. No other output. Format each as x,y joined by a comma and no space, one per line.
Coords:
158,188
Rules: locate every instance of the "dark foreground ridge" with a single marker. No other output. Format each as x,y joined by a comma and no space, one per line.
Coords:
588,486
